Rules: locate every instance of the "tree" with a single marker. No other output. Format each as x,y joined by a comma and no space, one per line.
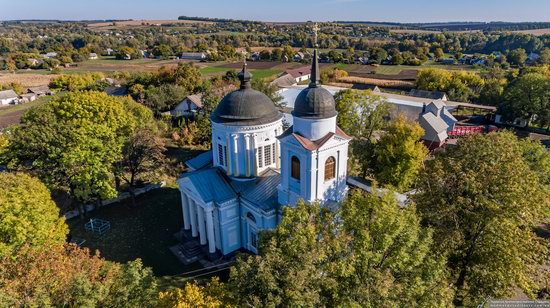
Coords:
194,295
400,154
375,254
142,157
361,114
72,142
526,97
483,199
517,57
459,85
439,54
163,51
544,58
268,89
65,275
27,214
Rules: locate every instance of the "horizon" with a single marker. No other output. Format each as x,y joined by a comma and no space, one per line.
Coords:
423,11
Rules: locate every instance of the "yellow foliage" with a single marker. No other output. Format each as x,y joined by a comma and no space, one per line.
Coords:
192,295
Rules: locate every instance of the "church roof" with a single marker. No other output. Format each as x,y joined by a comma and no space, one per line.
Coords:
312,145
315,102
211,184
246,106
200,161
264,191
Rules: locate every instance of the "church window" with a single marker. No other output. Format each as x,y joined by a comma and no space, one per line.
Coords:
221,158
267,155
295,171
225,155
330,168
260,157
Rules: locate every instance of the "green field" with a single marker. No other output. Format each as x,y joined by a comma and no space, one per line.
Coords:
256,73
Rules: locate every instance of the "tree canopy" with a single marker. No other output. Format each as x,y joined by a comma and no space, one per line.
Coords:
371,254
72,142
27,214
483,198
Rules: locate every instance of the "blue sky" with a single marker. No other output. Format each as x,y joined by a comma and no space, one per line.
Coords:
282,10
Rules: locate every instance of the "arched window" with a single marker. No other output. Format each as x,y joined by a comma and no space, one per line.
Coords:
251,217
295,172
330,168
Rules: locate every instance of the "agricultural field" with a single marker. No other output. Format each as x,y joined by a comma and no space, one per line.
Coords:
28,79
145,23
537,32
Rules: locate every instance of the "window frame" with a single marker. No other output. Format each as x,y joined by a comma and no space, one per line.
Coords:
295,168
330,165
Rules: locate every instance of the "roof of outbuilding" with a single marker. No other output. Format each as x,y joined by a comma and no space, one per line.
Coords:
7,94
299,72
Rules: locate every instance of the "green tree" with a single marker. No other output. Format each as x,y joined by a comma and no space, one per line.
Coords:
163,51
400,154
375,255
361,114
526,97
439,54
483,200
27,214
72,142
271,90
517,57
544,57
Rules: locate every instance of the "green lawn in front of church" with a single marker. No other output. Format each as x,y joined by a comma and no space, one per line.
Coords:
144,232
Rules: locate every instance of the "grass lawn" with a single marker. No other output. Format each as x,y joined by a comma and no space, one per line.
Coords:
144,232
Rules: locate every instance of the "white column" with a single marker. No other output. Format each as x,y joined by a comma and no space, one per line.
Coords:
236,155
202,231
248,171
193,214
185,210
210,230
253,168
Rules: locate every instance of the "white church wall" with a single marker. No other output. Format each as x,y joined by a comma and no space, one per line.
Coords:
314,129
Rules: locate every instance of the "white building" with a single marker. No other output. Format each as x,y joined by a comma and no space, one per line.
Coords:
255,167
8,97
188,106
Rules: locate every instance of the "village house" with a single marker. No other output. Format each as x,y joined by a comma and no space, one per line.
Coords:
299,56
40,90
109,51
92,56
27,97
193,56
300,74
49,55
188,106
8,97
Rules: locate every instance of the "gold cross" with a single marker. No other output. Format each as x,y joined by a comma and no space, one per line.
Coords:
315,30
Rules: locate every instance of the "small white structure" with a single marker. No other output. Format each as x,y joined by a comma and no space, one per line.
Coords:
92,56
193,56
188,106
300,74
8,97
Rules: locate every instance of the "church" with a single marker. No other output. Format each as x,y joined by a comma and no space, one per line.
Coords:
256,167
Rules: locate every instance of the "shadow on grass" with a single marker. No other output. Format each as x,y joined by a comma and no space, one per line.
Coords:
145,231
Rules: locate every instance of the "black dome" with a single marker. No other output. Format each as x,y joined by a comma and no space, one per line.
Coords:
314,101
246,106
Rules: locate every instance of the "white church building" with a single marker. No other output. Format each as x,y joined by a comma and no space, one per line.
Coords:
256,167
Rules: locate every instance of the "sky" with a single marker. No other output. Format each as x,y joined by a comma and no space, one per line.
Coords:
282,10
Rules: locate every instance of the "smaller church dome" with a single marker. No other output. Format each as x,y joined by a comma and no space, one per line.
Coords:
246,106
315,101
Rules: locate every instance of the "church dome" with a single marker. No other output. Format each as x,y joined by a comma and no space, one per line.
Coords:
246,106
314,101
